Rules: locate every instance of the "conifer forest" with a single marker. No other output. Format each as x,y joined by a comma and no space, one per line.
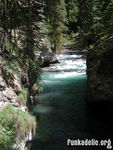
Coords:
56,74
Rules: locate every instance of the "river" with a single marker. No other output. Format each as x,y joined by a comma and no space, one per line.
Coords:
62,111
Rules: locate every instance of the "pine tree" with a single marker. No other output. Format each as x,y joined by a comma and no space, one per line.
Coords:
95,21
56,21
72,14
85,21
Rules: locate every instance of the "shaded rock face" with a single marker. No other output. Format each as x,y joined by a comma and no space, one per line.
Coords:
11,85
8,93
99,77
9,90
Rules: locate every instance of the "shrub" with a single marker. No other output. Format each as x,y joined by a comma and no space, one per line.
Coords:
11,68
14,123
23,96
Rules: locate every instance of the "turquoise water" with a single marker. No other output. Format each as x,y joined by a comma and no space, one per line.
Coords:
61,108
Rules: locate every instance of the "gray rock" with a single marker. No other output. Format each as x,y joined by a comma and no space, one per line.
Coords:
8,93
48,58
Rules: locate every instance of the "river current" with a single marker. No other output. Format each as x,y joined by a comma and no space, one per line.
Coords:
62,111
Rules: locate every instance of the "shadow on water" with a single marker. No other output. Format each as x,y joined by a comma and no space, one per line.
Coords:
63,113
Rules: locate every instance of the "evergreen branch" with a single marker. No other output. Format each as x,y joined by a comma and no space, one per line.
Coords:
104,41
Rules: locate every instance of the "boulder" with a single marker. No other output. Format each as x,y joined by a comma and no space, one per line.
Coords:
48,58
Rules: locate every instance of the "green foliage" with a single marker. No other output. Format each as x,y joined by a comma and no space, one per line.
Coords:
18,21
39,87
12,67
56,23
14,123
6,136
36,65
23,97
95,22
70,39
18,41
72,11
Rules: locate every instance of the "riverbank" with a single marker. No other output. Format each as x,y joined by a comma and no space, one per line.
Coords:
17,124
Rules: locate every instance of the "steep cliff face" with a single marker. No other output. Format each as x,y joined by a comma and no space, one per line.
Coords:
100,73
15,87
9,88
